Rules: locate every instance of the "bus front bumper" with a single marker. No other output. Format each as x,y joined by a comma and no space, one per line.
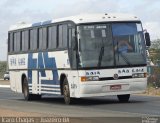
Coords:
113,87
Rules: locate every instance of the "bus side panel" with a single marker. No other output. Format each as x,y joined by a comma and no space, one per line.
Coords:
34,88
12,64
41,70
48,82
72,77
17,65
16,80
75,86
12,80
19,80
46,79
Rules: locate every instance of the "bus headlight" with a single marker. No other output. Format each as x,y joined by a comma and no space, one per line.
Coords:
89,78
139,75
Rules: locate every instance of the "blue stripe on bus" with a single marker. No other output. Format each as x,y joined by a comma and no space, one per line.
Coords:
51,94
43,86
32,63
51,90
48,94
30,76
42,73
51,63
43,62
49,82
50,87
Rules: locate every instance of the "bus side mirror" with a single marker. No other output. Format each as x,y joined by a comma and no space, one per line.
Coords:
147,38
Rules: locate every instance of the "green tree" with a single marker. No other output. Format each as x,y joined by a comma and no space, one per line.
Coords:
155,52
155,58
3,68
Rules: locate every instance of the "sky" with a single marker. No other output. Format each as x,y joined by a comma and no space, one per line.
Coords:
14,11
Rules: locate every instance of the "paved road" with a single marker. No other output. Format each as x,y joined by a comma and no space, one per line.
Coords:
89,107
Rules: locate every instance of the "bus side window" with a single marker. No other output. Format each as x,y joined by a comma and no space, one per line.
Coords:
42,38
62,36
65,36
25,38
17,41
33,39
10,42
52,37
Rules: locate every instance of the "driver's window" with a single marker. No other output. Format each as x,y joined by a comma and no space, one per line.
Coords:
123,44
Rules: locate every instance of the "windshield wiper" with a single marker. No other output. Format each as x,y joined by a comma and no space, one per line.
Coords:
101,53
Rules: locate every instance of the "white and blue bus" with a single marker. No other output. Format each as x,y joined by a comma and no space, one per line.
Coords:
80,56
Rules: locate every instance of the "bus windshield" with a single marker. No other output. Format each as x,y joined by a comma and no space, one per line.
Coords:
109,45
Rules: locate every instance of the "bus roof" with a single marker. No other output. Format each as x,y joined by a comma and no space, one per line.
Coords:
82,18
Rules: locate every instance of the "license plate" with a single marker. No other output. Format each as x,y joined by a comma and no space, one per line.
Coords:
115,87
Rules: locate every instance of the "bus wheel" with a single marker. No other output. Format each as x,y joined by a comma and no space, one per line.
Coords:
26,94
123,98
66,92
37,97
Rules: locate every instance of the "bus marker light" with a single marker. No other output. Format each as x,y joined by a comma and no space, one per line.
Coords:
83,79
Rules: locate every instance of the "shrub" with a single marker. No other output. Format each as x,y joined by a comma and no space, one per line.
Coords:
3,68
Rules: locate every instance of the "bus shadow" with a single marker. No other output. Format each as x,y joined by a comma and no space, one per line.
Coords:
106,101
85,101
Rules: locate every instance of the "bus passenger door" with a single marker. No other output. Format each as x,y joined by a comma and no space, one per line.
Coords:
73,61
74,85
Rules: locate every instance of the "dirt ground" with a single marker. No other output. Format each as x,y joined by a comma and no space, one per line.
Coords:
13,113
152,91
7,114
4,82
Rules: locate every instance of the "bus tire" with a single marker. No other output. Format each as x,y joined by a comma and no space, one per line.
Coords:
123,98
37,97
66,92
26,94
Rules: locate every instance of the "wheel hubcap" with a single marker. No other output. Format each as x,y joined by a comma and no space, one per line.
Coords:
25,92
